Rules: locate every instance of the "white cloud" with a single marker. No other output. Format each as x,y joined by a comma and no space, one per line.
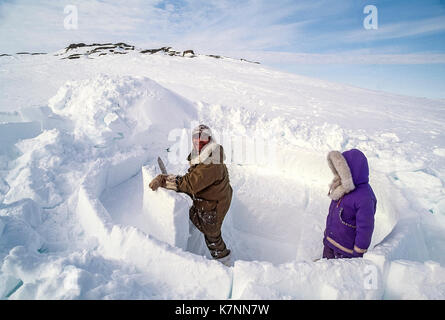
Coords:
38,25
398,30
248,29
341,58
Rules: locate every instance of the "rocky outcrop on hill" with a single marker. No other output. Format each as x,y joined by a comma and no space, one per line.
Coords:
100,46
95,50
22,53
78,50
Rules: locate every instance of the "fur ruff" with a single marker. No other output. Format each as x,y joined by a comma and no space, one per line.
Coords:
342,182
210,153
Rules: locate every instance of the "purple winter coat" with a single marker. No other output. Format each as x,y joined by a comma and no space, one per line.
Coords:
350,221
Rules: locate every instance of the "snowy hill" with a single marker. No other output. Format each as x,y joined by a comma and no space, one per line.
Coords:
80,132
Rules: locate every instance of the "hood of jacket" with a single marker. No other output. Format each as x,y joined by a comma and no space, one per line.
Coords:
211,153
350,169
358,164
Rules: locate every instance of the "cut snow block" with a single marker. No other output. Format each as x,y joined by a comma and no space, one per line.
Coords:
44,115
124,167
179,274
8,285
325,279
6,116
406,241
166,211
414,280
17,232
26,209
12,132
93,217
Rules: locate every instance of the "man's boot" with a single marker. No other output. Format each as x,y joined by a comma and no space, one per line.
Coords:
227,260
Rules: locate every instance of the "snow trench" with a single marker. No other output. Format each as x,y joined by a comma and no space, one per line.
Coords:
95,165
275,235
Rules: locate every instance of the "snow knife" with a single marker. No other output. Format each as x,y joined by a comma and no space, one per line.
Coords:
162,166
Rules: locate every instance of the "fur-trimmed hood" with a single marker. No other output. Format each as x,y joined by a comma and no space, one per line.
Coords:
211,153
350,169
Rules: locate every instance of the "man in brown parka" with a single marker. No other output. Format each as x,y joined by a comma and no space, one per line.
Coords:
207,183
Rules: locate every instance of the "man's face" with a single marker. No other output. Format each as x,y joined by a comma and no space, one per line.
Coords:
199,141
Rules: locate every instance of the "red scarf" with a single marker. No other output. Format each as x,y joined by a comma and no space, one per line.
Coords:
202,144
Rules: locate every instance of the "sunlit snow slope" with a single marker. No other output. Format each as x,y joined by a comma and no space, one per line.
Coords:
79,142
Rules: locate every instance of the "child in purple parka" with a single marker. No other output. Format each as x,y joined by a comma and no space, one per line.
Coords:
350,221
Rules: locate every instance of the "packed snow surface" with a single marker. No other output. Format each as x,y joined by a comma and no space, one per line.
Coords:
80,141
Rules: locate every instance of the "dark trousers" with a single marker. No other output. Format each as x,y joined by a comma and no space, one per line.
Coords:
329,253
209,224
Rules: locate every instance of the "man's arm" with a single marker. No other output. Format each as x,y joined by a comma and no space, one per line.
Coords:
200,178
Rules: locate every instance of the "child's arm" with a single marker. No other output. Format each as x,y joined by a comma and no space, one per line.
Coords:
365,226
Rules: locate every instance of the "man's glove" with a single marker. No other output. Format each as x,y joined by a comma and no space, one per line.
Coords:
157,182
164,181
171,182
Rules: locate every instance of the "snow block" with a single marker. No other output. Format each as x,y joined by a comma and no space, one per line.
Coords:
8,285
325,279
183,275
124,167
44,115
6,116
406,241
390,205
41,159
17,232
12,132
26,210
414,280
166,211
93,217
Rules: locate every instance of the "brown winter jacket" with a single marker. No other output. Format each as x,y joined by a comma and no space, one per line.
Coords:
207,181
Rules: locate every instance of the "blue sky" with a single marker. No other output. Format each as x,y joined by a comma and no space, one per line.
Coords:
320,38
